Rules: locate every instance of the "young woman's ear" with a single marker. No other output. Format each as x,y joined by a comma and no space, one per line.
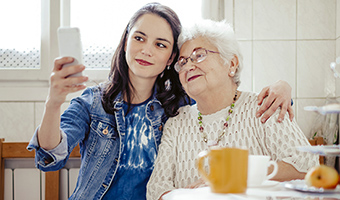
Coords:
171,59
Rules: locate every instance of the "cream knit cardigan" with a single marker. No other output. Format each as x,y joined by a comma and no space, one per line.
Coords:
182,141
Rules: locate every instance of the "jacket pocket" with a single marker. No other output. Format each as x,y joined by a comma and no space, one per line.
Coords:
103,139
104,129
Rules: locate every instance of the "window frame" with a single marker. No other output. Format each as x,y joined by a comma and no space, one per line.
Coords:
47,47
54,13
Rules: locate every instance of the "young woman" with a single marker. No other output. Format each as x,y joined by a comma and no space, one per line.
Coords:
118,124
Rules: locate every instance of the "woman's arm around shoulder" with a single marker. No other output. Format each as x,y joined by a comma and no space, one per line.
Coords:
277,96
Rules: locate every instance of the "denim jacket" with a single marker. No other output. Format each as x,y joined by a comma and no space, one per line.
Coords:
100,137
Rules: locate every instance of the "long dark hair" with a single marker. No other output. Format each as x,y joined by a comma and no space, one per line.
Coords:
169,89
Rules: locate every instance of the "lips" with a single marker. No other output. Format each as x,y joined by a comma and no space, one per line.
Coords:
193,78
143,62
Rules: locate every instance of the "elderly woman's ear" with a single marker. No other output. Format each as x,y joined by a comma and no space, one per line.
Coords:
233,66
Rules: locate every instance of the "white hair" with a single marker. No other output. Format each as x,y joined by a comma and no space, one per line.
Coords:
221,35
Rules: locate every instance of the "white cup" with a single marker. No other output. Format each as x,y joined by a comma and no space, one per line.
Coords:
258,169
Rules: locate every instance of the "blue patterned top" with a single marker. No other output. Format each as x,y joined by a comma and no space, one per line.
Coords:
136,161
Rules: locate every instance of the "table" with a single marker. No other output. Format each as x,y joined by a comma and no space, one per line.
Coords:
275,190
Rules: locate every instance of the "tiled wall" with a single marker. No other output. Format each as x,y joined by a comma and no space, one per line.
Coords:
292,40
19,119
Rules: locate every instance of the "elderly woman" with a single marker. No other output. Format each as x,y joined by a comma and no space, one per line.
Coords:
209,69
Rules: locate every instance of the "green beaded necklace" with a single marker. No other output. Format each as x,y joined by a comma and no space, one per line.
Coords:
225,125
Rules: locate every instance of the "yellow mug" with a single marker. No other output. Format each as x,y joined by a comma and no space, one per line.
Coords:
228,169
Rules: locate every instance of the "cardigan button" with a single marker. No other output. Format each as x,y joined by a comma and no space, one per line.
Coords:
160,128
152,108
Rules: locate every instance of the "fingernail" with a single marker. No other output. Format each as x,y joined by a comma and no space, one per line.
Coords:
263,120
279,120
258,115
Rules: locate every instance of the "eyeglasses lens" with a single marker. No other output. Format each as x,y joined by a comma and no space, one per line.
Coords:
199,55
182,62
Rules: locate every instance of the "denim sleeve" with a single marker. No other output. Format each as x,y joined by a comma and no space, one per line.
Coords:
47,160
74,125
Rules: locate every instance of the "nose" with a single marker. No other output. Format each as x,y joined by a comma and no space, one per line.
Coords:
189,65
147,50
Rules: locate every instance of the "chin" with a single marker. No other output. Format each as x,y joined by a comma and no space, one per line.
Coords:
194,90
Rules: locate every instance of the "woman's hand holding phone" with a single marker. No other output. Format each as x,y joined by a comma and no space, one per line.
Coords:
67,76
62,84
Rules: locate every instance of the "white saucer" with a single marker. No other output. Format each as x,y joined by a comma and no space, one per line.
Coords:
300,185
265,184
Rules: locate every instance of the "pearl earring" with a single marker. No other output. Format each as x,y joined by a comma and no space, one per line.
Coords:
232,73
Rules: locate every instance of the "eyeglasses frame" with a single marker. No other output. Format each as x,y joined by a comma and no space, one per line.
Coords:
179,68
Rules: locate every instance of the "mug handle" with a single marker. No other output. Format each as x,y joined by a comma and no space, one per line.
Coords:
274,172
201,156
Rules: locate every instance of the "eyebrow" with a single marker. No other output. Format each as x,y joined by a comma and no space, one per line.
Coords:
197,48
191,52
162,39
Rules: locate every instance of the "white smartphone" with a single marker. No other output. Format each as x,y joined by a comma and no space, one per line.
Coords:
70,45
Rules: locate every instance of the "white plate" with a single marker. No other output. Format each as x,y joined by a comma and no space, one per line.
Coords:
265,184
300,185
329,150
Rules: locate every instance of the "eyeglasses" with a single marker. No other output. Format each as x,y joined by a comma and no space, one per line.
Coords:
198,55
